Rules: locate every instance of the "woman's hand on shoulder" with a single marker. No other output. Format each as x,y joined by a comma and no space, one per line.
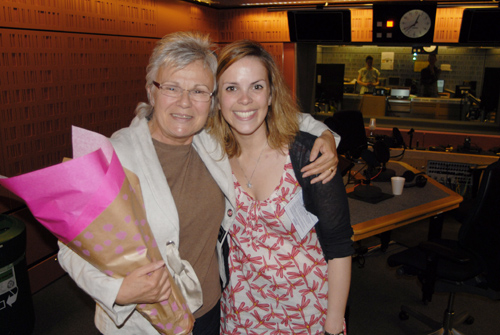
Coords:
147,284
326,165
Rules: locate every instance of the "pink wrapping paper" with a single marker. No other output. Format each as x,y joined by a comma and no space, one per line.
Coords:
95,207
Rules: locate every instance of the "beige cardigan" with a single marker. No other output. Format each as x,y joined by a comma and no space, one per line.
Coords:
136,152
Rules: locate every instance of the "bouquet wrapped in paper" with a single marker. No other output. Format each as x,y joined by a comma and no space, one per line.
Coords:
95,206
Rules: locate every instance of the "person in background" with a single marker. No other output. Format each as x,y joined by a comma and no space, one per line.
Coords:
368,76
429,77
287,272
187,193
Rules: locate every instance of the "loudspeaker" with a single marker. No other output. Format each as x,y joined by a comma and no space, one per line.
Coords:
414,179
478,26
319,25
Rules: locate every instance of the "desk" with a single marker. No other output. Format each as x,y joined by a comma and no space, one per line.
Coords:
420,158
372,105
413,205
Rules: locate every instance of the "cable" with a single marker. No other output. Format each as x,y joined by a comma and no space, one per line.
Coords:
400,155
379,172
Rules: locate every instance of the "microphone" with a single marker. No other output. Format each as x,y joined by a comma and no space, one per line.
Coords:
410,132
383,153
369,157
365,190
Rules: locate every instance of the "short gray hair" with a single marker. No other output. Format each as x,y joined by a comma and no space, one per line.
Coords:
177,50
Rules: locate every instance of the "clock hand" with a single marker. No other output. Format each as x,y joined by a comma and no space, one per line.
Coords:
409,27
414,24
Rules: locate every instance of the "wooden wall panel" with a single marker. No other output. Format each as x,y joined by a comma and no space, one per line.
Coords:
255,24
83,63
64,63
50,81
120,17
182,16
205,20
289,69
145,18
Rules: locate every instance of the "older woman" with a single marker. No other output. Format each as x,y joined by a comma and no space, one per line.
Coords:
289,273
186,191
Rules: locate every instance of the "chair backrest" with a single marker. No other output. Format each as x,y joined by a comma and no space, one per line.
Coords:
480,233
350,126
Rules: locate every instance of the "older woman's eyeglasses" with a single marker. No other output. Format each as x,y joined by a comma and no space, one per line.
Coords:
176,92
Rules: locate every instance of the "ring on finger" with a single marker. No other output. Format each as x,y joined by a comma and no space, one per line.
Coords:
331,169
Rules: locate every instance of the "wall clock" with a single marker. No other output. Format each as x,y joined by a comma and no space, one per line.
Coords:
415,23
410,23
430,49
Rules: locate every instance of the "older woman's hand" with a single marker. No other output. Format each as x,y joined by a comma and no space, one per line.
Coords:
145,285
326,165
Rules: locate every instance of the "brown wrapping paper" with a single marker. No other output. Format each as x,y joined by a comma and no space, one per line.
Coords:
119,241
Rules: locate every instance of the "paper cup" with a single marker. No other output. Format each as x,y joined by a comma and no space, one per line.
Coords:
397,185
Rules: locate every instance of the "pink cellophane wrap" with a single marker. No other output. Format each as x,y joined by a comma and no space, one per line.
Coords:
95,206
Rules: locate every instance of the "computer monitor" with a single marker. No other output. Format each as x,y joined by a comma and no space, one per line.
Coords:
440,84
393,81
330,82
400,92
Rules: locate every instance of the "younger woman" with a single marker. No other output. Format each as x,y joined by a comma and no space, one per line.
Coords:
288,275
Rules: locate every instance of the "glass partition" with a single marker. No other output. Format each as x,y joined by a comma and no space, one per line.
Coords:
466,97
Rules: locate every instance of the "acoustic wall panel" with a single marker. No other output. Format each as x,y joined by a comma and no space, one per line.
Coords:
73,62
119,17
256,24
50,81
276,50
204,19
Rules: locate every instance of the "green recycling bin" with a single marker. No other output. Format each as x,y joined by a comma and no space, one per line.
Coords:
17,315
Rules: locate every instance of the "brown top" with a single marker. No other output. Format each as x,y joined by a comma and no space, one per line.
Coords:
200,204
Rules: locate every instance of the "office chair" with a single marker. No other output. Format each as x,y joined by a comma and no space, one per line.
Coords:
469,264
349,124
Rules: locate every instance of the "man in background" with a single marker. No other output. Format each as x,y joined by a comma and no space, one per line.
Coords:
368,77
429,77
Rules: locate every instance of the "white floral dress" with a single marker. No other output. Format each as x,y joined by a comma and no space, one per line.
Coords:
278,282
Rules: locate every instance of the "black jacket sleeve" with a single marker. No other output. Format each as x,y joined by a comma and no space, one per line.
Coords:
327,201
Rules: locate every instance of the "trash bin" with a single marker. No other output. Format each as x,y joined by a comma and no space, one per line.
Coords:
17,315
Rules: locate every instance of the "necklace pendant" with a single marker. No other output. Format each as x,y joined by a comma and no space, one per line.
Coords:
249,185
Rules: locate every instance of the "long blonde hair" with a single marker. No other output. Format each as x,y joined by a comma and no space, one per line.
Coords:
282,118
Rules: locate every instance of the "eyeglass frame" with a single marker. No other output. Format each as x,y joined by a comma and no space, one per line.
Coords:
159,86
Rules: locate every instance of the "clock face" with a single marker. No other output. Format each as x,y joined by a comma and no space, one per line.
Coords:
415,23
431,48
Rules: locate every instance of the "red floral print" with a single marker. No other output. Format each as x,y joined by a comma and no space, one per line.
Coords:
278,282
